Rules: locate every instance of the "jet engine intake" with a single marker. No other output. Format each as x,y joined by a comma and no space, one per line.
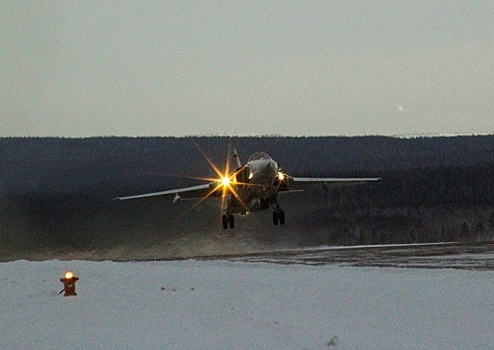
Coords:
243,174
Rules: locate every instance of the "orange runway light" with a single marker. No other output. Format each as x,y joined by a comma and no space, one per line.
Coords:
69,280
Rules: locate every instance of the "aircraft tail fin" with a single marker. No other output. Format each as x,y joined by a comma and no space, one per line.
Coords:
237,157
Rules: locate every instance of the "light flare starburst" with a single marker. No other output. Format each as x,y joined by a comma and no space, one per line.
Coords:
225,181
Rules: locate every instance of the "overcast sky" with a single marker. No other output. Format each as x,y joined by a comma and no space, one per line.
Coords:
138,68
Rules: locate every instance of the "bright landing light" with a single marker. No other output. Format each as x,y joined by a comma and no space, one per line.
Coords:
225,181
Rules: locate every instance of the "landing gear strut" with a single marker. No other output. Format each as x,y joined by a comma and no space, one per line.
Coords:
278,214
228,220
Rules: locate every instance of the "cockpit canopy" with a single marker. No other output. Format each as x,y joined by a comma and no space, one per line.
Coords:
258,156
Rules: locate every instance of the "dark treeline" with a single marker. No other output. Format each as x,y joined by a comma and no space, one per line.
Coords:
56,194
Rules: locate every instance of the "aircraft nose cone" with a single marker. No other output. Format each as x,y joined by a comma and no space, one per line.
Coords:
271,168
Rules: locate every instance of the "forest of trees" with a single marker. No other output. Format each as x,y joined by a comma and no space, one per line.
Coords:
56,194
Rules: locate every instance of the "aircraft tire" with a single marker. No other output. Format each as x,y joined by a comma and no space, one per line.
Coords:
231,221
281,217
225,222
275,217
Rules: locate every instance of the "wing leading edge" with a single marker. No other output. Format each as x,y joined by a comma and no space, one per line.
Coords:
296,184
328,182
204,190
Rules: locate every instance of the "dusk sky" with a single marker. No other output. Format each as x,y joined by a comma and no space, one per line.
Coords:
140,68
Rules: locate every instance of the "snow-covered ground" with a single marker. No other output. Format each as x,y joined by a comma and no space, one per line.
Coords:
196,304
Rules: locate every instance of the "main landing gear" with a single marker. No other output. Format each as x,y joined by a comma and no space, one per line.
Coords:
228,220
279,217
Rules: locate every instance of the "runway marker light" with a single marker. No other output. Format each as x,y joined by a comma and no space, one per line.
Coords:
68,280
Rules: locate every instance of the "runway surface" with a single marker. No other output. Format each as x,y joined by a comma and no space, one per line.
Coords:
468,256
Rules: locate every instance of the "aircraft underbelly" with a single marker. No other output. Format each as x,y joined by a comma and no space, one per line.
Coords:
249,199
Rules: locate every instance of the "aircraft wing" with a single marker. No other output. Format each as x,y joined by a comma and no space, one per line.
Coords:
192,192
328,182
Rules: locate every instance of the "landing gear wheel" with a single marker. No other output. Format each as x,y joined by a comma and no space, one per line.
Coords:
228,220
225,222
281,217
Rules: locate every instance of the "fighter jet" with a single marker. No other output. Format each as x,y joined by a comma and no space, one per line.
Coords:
253,186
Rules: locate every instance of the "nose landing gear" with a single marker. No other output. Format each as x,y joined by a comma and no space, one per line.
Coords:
278,214
279,217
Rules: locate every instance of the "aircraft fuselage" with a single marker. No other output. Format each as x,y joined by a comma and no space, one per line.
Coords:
255,185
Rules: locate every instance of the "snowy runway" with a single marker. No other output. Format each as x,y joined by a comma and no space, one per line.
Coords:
196,304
